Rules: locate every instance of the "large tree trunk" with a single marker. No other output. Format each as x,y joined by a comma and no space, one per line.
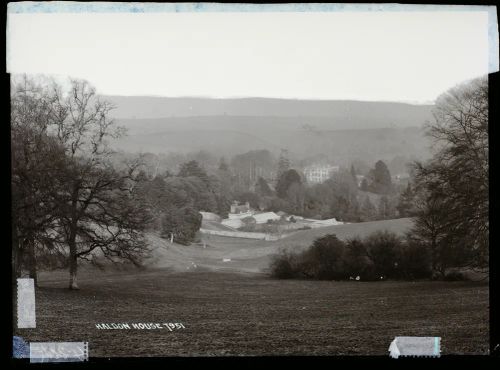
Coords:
73,262
73,267
18,262
73,258
73,274
17,252
29,247
32,261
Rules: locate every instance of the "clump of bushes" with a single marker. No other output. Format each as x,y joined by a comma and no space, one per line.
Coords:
381,255
323,260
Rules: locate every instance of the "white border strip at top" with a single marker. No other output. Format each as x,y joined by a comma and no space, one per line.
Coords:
137,7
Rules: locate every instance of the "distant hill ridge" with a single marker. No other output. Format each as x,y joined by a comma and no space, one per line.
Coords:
338,129
366,114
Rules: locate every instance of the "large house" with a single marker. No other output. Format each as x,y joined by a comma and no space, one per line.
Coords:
318,173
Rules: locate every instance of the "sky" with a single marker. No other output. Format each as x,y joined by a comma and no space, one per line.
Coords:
375,56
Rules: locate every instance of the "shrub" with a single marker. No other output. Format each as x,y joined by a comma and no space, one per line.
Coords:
248,224
385,251
183,223
283,265
324,259
415,261
356,260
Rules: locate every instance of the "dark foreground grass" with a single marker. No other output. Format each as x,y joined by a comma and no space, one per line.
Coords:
234,314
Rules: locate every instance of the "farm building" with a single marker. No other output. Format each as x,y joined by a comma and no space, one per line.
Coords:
236,221
262,218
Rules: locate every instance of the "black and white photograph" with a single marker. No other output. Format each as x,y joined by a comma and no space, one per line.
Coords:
222,180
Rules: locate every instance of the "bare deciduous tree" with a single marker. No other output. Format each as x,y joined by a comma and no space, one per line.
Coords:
97,215
456,179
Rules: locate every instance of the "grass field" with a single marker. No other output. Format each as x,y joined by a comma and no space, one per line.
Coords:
250,314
